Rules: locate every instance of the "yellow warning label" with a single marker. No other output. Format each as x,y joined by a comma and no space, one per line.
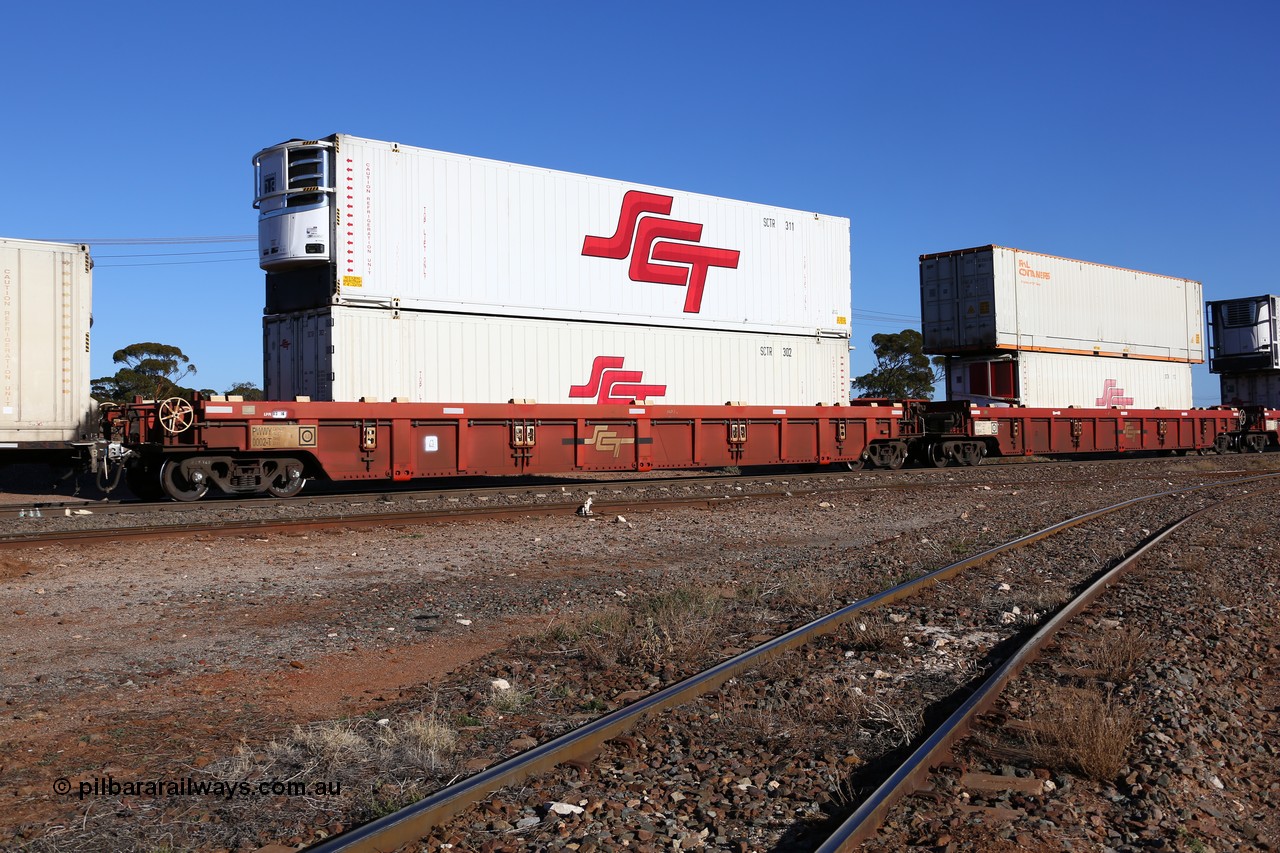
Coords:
352,281
282,435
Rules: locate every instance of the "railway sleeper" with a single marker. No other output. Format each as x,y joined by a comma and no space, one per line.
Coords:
189,478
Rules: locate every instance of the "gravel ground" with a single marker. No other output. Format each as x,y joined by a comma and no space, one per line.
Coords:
189,659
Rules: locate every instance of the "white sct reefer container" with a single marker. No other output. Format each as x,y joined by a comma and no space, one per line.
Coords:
45,309
994,298
356,222
1244,334
1261,388
1058,380
345,354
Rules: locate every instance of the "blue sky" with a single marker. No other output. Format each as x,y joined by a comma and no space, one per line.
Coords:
1136,134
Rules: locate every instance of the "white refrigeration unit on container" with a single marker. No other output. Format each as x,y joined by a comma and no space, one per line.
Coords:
1059,380
344,353
1244,334
590,267
45,313
993,298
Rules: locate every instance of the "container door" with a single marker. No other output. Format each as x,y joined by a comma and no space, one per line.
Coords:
977,300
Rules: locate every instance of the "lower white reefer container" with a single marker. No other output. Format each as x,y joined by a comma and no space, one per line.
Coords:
1057,380
1261,388
346,354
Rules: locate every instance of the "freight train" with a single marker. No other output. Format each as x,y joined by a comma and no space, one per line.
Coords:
431,315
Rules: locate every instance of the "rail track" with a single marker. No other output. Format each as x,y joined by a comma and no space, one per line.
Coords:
109,520
431,816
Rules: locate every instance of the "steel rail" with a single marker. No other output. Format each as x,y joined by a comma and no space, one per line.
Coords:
413,822
374,519
326,493
911,775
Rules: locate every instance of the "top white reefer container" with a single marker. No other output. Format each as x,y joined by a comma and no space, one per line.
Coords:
345,221
45,313
994,298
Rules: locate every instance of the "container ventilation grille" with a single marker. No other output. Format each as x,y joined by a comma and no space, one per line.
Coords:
1238,313
306,172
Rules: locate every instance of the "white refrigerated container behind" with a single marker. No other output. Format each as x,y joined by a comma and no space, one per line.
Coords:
994,298
345,354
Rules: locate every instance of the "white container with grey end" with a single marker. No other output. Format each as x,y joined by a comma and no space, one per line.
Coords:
995,298
1056,380
45,311
358,222
1260,388
345,354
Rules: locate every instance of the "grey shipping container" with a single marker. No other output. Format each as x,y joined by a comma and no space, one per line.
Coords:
993,298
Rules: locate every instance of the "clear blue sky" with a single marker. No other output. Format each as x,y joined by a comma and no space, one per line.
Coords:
1137,134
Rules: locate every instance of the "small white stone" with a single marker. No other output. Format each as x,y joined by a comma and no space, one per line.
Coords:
500,684
464,621
565,808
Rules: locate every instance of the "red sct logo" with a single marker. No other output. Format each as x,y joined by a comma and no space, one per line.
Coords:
647,240
1112,395
610,384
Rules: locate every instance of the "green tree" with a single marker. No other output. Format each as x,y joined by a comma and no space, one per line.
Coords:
150,371
248,390
902,370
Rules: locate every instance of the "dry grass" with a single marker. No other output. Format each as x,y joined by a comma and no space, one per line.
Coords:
350,749
681,625
1085,731
1120,654
508,700
872,635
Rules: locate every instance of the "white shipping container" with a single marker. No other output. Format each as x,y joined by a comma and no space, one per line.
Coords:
357,222
994,298
1057,380
45,313
344,354
1251,389
1244,334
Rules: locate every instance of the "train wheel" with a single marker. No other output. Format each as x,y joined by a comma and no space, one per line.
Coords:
897,456
177,486
938,457
144,481
287,480
855,464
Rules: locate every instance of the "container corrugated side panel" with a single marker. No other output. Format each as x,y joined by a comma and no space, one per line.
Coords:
997,297
45,309
435,357
437,231
1058,380
1251,389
